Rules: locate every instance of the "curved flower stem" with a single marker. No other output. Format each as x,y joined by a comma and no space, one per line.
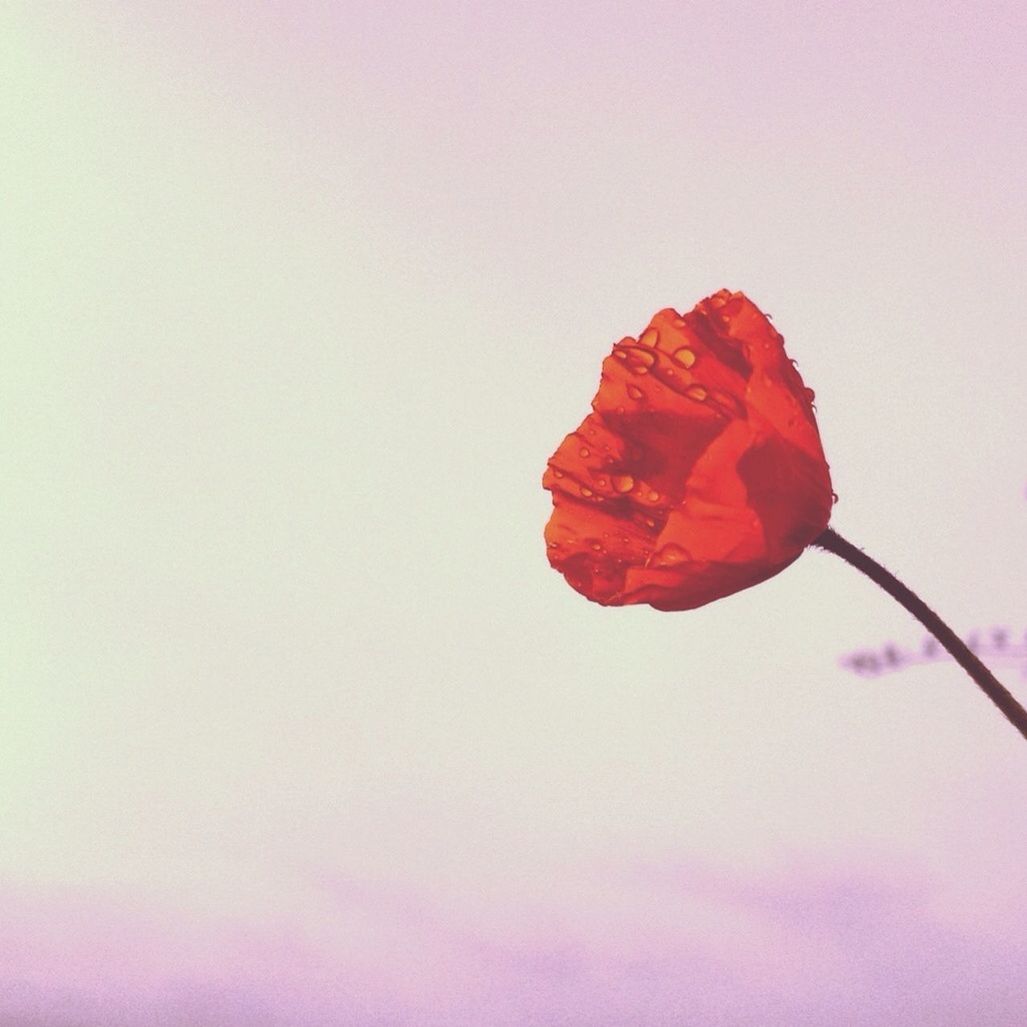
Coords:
990,685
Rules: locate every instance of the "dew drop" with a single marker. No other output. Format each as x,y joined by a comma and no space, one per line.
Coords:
553,545
597,547
834,497
557,474
620,354
650,522
623,483
810,395
584,451
585,491
640,361
685,357
696,392
635,392
653,495
671,555
602,483
730,405
650,337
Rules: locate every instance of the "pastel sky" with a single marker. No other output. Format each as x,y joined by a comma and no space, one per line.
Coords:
297,725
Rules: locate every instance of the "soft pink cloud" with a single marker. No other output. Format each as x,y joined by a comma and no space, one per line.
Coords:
654,944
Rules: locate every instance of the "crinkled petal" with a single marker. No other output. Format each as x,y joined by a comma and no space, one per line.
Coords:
700,470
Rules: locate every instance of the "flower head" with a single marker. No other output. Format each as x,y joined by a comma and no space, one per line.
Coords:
700,470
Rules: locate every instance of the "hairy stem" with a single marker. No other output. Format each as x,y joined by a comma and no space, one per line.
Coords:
989,684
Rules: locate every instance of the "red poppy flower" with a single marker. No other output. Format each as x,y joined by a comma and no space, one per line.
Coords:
700,471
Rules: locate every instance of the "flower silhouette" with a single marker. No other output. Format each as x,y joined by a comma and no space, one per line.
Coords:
700,470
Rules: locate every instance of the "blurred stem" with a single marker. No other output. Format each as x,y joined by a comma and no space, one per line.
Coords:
989,684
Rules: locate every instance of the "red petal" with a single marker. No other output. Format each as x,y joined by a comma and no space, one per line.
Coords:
700,471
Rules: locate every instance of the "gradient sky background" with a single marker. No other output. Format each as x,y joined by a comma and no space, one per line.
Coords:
297,725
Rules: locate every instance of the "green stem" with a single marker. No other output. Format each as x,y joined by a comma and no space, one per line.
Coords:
989,684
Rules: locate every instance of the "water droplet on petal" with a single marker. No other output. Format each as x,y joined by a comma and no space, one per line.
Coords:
640,361
602,483
597,547
653,495
729,405
623,483
557,474
671,555
810,395
635,392
586,491
696,392
834,497
649,337
620,354
584,451
685,357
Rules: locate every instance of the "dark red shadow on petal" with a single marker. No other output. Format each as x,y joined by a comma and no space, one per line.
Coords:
789,491
663,447
727,350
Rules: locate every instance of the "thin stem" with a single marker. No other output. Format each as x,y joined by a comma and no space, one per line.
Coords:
989,684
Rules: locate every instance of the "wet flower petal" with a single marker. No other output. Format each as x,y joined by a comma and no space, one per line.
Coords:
700,470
